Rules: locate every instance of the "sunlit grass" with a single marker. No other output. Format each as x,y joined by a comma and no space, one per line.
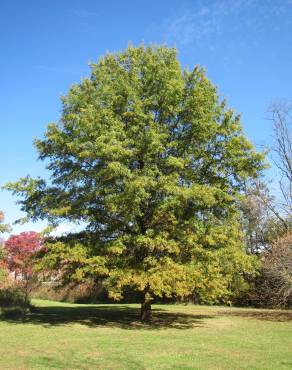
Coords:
67,336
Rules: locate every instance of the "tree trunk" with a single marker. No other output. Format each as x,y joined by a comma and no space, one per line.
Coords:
146,311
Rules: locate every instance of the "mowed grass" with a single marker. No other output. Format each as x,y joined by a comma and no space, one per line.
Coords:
67,336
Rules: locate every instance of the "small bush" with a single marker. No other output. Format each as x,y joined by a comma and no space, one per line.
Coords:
277,273
13,296
13,312
14,301
272,287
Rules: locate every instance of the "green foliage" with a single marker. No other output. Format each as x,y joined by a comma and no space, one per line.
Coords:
12,296
2,254
3,272
3,275
3,228
152,162
13,301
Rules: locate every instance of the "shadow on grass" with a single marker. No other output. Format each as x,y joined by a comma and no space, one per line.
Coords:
109,316
262,314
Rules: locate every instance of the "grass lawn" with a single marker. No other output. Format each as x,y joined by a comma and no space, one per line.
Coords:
68,336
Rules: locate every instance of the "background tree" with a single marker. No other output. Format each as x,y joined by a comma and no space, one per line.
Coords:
261,221
281,116
19,252
255,217
3,228
2,265
267,220
276,280
149,159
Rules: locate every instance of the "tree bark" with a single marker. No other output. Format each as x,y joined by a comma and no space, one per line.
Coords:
146,311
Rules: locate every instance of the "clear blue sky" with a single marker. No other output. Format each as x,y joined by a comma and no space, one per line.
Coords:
46,45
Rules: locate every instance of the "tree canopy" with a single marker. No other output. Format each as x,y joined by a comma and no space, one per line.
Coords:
20,250
149,159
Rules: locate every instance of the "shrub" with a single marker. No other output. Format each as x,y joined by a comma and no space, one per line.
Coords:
13,312
272,287
11,296
14,301
277,273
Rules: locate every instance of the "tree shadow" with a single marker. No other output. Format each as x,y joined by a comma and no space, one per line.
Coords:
124,317
262,314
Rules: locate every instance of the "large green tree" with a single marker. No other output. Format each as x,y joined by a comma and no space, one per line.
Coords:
149,159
